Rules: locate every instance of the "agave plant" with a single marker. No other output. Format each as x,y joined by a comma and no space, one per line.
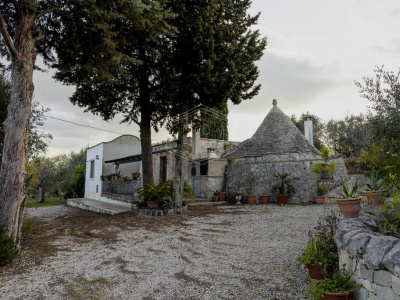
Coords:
374,183
350,190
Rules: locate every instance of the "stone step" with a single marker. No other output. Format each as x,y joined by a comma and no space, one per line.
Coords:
98,206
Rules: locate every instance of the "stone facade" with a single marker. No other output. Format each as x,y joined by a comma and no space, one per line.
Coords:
379,269
277,147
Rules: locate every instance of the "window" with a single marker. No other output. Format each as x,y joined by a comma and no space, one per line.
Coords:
91,169
204,167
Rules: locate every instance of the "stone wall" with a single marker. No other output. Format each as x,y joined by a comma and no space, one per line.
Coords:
266,167
379,269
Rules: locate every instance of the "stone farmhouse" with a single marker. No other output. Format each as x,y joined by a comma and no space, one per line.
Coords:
214,165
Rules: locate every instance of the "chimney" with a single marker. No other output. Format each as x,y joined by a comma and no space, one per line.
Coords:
308,128
195,142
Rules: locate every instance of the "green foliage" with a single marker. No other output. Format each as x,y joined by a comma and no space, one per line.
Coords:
349,190
339,282
8,249
284,184
315,252
374,183
155,193
214,123
250,181
391,217
321,189
188,191
383,94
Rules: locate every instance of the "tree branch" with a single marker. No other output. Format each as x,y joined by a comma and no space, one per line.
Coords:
50,10
7,38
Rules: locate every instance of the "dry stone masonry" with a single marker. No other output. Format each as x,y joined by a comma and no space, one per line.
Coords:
379,269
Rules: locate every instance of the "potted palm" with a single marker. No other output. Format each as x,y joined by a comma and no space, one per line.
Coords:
374,184
349,205
283,188
325,168
320,198
155,194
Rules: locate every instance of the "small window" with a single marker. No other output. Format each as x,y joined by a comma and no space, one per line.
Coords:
91,169
204,167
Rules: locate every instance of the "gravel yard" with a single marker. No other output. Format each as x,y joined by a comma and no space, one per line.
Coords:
225,252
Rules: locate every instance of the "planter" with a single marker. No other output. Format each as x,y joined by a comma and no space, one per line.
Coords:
153,204
337,296
264,199
316,273
222,196
251,199
135,175
216,198
374,196
281,198
319,200
350,208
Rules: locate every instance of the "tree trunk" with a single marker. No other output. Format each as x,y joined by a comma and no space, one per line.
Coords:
13,163
145,122
181,158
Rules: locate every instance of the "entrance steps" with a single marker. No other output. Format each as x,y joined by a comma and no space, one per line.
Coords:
99,206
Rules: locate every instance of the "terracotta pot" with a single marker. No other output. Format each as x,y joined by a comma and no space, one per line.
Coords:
319,199
135,175
281,198
222,196
264,199
216,198
316,273
251,199
153,204
337,296
350,208
374,196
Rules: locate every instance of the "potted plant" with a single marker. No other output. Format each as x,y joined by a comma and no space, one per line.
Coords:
155,194
216,196
374,184
135,175
123,178
325,168
349,205
339,286
250,197
222,196
283,188
314,257
264,198
102,177
321,190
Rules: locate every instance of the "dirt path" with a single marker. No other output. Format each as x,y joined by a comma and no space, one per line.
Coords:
230,252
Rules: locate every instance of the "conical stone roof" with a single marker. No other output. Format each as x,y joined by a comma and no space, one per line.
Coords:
277,134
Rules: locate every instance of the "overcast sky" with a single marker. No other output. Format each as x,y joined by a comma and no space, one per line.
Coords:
316,49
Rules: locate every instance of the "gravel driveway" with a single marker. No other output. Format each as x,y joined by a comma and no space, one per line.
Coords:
225,252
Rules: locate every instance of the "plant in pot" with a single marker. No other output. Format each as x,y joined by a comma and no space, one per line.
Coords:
216,196
250,197
338,286
283,188
315,257
135,175
155,194
321,190
349,205
222,196
374,184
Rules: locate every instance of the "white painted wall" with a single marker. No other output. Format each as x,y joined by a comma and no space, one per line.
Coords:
93,185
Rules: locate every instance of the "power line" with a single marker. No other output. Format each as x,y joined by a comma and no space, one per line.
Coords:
83,125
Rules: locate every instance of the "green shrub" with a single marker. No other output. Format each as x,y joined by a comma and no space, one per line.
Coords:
391,217
339,282
315,253
8,249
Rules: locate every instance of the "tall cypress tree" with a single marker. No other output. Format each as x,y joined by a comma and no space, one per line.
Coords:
213,61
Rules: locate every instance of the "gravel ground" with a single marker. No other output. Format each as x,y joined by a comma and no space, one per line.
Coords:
237,252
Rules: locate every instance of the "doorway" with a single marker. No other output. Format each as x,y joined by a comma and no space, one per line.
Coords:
163,169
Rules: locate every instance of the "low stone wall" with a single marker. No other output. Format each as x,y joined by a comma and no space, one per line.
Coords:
379,269
157,212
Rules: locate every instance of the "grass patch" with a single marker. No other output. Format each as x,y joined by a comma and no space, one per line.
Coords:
33,203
